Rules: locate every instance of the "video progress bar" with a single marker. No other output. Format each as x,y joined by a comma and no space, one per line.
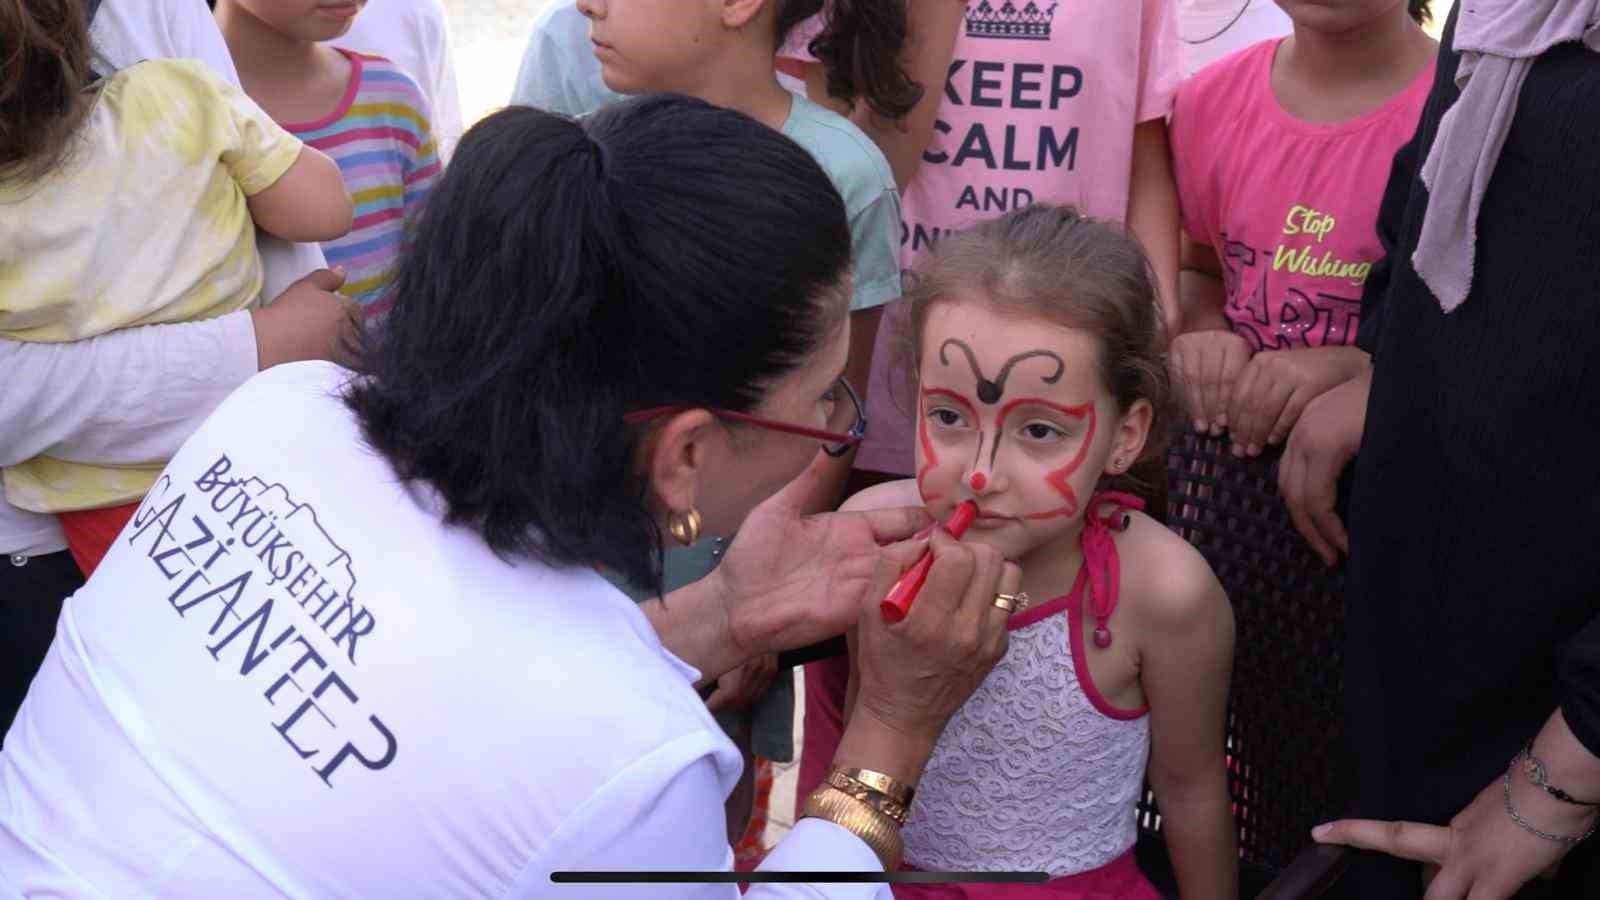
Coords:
799,877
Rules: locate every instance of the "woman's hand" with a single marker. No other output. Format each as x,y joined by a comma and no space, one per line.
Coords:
1206,364
1482,854
913,675
1275,388
1320,446
790,580
745,685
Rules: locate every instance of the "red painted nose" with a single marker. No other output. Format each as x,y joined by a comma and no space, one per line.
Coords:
978,481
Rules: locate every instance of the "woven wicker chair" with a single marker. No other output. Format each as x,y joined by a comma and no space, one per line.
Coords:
1287,769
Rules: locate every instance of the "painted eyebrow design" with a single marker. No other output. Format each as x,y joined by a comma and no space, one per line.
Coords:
991,391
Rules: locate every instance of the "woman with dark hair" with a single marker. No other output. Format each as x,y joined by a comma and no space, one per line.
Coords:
355,641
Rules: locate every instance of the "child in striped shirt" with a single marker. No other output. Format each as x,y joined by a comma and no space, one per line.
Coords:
359,109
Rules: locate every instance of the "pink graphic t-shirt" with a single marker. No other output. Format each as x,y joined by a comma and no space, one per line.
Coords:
1039,105
1290,206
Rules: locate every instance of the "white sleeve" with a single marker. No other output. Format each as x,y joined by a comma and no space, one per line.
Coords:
128,31
665,813
447,123
130,396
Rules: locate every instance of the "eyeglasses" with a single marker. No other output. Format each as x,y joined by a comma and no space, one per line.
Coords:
845,417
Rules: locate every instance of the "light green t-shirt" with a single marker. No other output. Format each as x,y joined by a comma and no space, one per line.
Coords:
559,72
864,180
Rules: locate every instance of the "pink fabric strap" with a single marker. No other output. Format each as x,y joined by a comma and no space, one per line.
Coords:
1100,558
1101,572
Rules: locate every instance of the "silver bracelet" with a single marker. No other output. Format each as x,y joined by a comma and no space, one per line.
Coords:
1534,767
1529,827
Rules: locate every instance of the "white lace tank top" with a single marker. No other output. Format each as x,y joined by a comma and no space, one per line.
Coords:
1037,772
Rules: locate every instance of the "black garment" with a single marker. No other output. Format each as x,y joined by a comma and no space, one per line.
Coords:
1474,572
30,603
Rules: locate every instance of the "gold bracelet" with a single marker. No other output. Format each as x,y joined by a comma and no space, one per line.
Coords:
876,829
894,789
876,799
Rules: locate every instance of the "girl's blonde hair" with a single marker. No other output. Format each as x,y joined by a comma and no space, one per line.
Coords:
1049,261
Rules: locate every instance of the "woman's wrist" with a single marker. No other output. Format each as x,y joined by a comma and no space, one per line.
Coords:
1538,812
868,743
870,787
1565,762
694,624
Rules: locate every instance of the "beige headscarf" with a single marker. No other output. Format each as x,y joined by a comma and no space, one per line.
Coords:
1498,41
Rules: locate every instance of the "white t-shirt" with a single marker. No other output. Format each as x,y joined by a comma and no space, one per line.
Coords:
415,35
289,677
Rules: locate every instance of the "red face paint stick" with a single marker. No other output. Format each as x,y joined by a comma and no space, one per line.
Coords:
897,603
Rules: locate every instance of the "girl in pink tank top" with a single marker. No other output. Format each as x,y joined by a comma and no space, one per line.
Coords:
1040,379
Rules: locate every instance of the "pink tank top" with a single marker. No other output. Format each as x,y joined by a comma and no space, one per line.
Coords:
1037,772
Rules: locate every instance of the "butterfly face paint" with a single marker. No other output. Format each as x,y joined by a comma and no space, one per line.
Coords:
1011,415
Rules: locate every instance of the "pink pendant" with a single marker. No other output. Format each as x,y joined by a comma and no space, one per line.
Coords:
1102,636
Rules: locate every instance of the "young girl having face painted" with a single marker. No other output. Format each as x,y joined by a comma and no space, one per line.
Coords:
1040,381
1058,102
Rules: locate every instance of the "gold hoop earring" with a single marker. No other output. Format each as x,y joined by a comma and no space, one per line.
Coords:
685,526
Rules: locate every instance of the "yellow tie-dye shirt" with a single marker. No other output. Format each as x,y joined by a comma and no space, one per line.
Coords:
145,223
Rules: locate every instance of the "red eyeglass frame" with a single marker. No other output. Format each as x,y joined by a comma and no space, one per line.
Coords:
843,441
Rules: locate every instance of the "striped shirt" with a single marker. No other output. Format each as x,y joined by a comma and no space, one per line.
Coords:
379,136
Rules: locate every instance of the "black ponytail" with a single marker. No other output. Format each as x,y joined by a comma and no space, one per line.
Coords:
1421,10
563,273
859,47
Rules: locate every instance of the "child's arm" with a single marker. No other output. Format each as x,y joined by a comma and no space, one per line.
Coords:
1206,357
1153,213
307,203
423,166
1186,654
932,27
1201,294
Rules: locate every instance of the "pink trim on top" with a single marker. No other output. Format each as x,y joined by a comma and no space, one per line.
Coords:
347,101
1040,613
1080,665
1098,554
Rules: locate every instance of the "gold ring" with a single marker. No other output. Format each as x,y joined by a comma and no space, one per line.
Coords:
1012,602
